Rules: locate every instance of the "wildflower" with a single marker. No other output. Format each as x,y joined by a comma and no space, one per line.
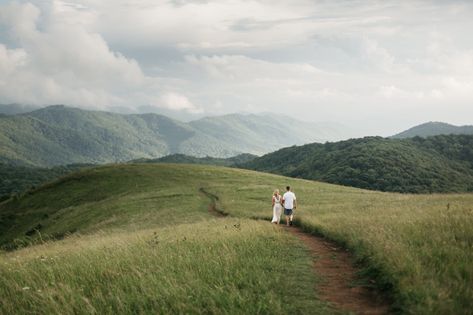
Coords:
26,288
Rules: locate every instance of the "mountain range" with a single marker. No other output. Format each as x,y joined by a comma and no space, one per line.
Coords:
59,135
434,129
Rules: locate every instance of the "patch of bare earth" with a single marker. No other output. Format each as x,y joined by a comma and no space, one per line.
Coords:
338,275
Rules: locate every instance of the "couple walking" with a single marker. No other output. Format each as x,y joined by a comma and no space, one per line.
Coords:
288,201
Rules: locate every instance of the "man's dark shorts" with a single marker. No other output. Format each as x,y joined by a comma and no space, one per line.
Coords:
287,211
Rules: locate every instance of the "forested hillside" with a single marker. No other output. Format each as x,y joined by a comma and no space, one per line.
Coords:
208,160
417,165
17,179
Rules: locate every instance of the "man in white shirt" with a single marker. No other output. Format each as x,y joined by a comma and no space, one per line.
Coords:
290,203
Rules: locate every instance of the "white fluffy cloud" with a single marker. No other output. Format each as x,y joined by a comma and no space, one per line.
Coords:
65,63
384,65
177,102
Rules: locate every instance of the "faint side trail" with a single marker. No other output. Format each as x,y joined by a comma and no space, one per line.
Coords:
337,273
334,266
213,210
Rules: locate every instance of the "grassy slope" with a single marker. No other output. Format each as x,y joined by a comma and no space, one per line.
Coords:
130,195
419,247
147,244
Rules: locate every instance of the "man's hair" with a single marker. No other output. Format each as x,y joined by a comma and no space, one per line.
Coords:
288,188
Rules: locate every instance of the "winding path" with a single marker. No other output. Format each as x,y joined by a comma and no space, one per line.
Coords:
334,266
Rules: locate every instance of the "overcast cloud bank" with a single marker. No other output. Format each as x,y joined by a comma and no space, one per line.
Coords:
385,65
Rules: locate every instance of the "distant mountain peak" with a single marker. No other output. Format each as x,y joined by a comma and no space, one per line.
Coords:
434,128
14,109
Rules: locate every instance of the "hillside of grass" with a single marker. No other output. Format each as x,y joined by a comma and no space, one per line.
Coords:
139,238
16,179
417,165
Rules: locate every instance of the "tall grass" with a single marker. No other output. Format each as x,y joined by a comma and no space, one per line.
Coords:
418,247
225,266
145,243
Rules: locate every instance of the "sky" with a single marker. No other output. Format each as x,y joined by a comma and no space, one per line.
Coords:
377,66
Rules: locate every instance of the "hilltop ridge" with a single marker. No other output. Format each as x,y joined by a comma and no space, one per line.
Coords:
434,128
441,163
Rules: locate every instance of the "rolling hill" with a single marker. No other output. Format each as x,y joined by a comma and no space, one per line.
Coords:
434,129
16,179
138,238
59,135
434,164
187,159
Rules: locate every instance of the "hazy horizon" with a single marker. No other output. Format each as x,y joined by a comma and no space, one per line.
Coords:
352,131
381,67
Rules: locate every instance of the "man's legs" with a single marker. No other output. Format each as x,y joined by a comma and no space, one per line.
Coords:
288,214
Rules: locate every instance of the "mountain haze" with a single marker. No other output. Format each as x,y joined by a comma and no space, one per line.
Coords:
434,129
12,109
58,135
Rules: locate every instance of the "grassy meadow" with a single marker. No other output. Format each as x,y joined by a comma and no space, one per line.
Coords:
142,241
212,267
417,247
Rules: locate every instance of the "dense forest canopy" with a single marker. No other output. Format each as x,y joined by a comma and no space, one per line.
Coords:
417,165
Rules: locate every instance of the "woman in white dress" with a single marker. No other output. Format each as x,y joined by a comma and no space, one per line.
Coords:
277,207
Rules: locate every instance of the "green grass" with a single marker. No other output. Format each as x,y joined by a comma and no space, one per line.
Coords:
134,196
418,247
212,268
145,243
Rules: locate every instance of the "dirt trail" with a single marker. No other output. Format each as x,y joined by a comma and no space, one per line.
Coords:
213,210
334,266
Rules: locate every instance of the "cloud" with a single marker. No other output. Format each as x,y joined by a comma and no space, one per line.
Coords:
176,101
239,67
361,62
66,63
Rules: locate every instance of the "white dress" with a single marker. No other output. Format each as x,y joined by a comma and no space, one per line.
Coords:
277,209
